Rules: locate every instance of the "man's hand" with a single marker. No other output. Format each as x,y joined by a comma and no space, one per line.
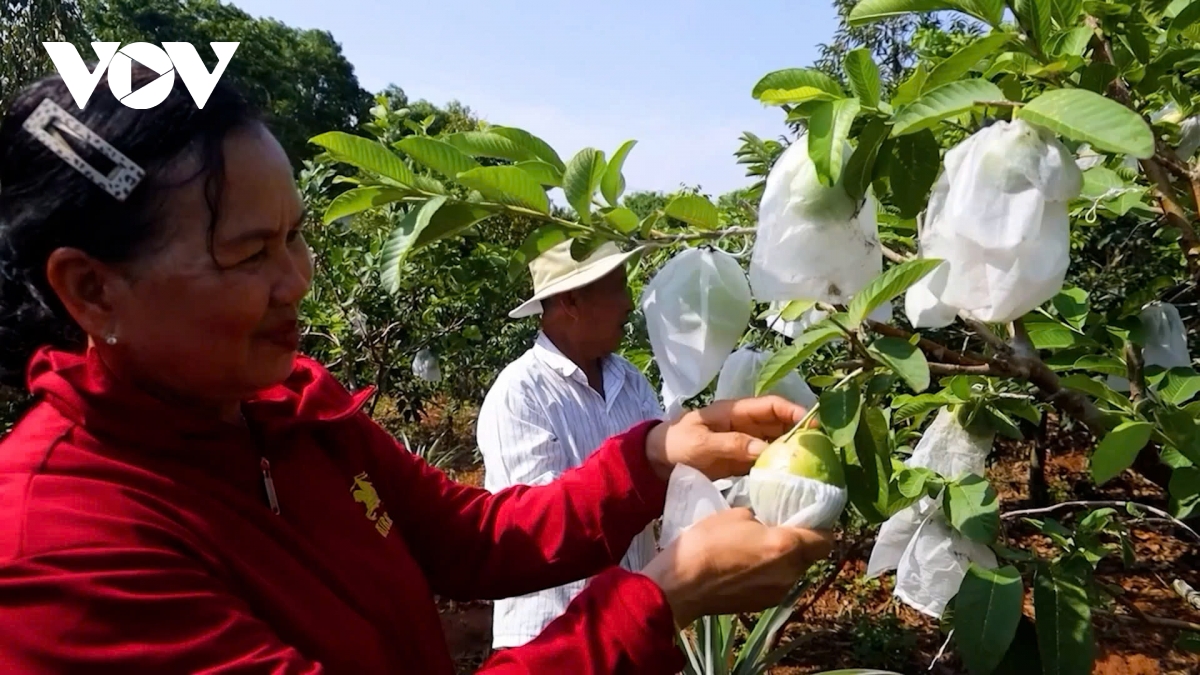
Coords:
723,439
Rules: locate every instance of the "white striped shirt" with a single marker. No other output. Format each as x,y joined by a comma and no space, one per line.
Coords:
539,419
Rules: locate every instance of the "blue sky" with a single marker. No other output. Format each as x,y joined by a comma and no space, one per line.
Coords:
675,76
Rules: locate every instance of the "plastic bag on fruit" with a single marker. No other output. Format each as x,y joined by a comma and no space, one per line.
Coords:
691,497
697,307
798,481
739,377
813,241
998,218
425,366
929,556
1166,343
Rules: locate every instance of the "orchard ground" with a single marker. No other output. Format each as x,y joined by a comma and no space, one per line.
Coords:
856,622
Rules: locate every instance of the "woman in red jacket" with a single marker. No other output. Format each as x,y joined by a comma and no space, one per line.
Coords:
189,495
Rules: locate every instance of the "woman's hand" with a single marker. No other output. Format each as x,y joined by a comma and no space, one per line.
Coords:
730,563
722,439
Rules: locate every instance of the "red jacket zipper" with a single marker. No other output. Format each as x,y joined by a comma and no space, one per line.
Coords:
269,484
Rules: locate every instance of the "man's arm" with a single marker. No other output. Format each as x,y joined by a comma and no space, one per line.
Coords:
517,443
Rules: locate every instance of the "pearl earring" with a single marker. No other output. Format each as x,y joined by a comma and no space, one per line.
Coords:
111,339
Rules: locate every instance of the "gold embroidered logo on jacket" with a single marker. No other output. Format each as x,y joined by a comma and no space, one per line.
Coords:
364,493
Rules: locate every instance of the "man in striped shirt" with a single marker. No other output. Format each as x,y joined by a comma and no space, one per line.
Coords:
552,407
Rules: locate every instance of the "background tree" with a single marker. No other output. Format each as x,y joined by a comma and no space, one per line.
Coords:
300,78
25,24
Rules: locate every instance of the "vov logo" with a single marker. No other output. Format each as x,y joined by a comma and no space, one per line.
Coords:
172,58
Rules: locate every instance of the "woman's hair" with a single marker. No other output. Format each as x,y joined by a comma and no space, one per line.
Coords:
46,204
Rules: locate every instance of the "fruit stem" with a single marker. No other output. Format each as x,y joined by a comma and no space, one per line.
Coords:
803,424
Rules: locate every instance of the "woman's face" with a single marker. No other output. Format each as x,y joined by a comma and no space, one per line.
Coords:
219,322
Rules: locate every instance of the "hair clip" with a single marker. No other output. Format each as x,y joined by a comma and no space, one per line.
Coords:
46,124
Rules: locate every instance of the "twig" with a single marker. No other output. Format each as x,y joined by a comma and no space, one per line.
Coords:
894,256
1133,367
852,335
658,239
940,352
981,329
935,368
1189,594
1151,620
938,657
1102,504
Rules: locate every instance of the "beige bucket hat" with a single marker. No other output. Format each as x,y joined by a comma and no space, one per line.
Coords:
555,271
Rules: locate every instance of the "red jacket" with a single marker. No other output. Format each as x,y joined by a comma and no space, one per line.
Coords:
136,538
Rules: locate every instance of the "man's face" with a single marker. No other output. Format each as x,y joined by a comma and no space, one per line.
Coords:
604,308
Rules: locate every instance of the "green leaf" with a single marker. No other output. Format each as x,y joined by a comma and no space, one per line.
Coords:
947,100
1085,116
1066,12
798,78
543,172
795,309
1183,20
1072,42
365,154
1184,489
871,452
360,199
1097,389
491,144
612,185
961,62
908,90
1180,385
1056,336
828,130
1072,306
785,361
1036,16
1118,450
580,180
860,170
403,240
987,611
907,407
507,184
839,412
437,155
1022,657
887,286
1020,408
538,242
796,96
694,210
1106,365
904,359
622,219
1188,642
1064,623
972,508
867,11
863,75
912,170
911,481
530,144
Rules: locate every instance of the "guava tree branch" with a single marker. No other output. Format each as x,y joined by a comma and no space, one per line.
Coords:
938,351
1024,513
934,368
657,238
1151,620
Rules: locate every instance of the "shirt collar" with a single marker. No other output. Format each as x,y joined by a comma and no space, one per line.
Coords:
549,354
